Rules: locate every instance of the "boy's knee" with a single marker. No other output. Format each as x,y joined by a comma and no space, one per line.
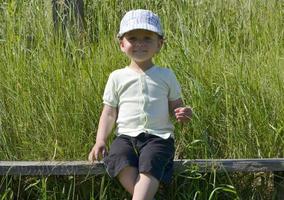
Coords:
149,176
128,171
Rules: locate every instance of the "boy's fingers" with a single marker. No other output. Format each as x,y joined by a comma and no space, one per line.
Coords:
183,116
101,152
104,152
91,156
182,110
96,155
177,110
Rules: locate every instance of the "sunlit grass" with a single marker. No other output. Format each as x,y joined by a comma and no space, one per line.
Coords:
227,55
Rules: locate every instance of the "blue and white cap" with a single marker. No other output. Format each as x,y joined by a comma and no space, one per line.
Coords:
140,19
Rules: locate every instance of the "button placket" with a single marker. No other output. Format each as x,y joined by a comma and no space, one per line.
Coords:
141,99
143,92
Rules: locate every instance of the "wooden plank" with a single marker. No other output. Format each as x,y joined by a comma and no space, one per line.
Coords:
47,168
233,165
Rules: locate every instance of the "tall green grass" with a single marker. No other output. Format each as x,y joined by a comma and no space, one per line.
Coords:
228,56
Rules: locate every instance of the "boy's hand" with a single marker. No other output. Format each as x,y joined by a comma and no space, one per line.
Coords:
98,151
183,114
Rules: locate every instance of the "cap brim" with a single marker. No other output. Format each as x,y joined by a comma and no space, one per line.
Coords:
147,27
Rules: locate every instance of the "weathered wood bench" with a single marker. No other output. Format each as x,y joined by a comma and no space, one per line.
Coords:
96,168
48,168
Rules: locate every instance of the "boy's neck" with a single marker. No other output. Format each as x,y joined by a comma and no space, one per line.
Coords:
141,66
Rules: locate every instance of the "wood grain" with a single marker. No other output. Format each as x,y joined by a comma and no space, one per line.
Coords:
96,168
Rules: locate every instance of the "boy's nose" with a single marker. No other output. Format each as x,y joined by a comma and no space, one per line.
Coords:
139,43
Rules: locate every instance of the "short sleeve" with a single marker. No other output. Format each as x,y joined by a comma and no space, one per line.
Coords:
110,94
175,90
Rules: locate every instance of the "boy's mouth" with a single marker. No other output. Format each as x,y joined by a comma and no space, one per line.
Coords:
140,51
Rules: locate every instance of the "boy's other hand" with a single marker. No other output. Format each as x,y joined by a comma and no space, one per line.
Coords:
183,114
98,151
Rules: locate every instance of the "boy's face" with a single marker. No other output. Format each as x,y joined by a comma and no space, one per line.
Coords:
140,45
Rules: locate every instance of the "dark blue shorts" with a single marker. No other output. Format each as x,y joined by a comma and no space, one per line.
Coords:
148,153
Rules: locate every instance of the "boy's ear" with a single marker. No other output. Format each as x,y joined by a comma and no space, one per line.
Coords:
160,44
121,45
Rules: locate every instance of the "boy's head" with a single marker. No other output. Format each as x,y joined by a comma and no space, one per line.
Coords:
140,19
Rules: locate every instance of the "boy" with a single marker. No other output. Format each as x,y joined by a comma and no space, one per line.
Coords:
139,98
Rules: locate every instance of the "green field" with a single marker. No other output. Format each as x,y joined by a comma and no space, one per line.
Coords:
227,54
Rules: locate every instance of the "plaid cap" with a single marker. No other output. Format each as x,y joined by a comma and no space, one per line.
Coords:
140,19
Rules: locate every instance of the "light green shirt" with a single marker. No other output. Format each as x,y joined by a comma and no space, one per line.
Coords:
142,100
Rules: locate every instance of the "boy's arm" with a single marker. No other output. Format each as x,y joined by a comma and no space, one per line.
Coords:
106,123
182,113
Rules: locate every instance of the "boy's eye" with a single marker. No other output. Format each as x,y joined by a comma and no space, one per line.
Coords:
131,38
147,38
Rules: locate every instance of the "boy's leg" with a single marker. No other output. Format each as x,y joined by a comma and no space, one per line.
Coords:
145,187
122,162
128,177
155,165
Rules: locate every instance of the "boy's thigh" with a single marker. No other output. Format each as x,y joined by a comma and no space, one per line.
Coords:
121,155
156,158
